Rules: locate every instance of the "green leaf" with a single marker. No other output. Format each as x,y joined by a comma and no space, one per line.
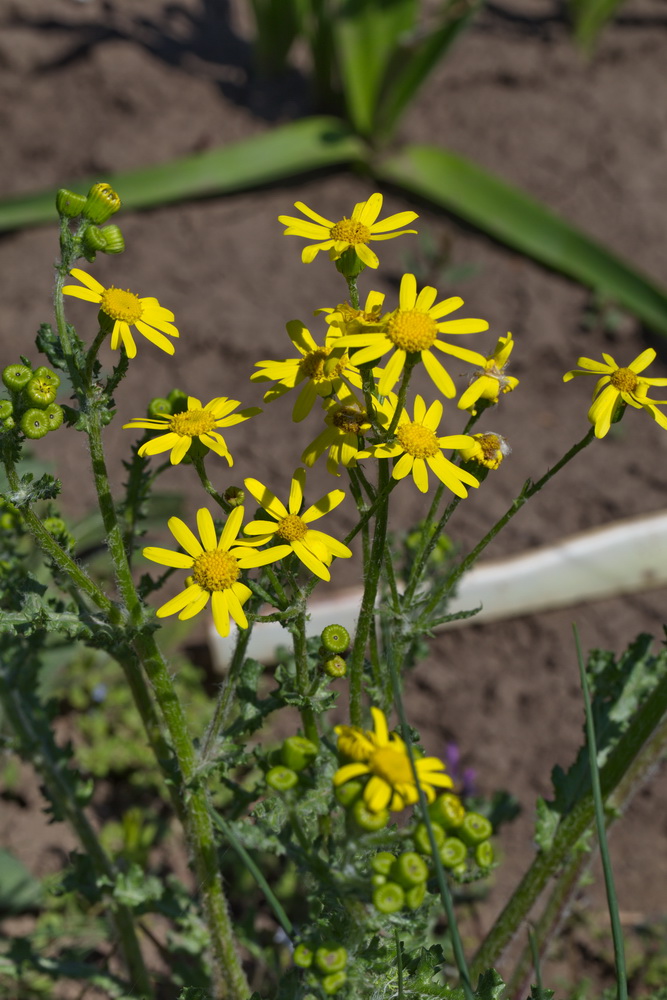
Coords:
308,144
19,891
512,217
413,64
590,17
366,36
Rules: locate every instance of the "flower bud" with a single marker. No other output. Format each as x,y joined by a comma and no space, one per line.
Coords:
334,982
414,897
447,810
297,752
6,409
54,415
234,496
281,779
92,240
41,391
389,898
422,839
348,793
16,376
368,821
47,373
382,862
335,666
35,424
330,958
303,956
69,204
335,638
102,202
409,869
453,852
8,424
178,400
114,241
484,854
159,407
474,829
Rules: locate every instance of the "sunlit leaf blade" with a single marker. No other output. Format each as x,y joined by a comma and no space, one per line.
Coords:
590,17
281,152
412,65
513,218
366,34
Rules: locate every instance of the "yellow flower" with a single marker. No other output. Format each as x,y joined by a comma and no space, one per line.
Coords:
419,446
346,319
215,570
487,449
346,234
491,380
323,369
385,758
195,422
292,530
413,329
347,422
126,309
619,386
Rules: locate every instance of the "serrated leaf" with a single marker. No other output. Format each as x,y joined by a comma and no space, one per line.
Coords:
31,490
537,993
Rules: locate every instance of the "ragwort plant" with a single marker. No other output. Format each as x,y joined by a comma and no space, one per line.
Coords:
353,896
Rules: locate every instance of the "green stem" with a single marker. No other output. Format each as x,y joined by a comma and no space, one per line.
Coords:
298,630
410,363
200,469
354,291
92,355
219,718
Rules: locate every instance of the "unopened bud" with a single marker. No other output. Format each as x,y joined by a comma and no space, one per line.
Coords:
102,202
114,240
69,204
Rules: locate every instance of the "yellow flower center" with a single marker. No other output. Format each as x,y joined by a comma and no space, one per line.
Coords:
624,380
418,440
215,570
349,420
490,444
121,305
317,366
392,765
192,423
292,528
412,330
350,231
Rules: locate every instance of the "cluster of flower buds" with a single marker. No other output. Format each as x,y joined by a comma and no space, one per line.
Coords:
295,755
95,208
327,961
399,883
32,406
360,819
335,639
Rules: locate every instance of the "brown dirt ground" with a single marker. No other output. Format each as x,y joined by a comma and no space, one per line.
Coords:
98,87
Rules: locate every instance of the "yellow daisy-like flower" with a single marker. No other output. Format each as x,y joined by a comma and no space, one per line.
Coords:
347,422
321,369
292,530
196,422
420,449
384,756
490,381
215,570
347,234
487,449
346,319
619,386
412,329
126,309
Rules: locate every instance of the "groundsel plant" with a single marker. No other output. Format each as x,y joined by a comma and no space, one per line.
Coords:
350,842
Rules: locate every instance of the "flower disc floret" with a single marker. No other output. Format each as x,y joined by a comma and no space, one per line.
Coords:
119,304
411,330
487,449
292,529
417,440
350,231
624,380
192,423
215,570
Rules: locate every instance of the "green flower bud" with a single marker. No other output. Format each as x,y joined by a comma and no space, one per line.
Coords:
422,838
382,862
159,407
102,202
41,391
366,820
335,638
335,666
69,204
474,829
389,898
409,869
92,240
484,854
447,810
8,424
453,852
178,400
16,376
55,416
281,779
377,879
346,794
303,956
334,982
298,752
35,424
330,958
414,897
47,374
234,496
114,241
6,409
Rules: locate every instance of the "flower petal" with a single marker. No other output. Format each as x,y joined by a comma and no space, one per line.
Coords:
265,498
181,601
206,529
167,557
185,538
220,609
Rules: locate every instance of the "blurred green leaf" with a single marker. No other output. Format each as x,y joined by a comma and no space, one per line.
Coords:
278,22
287,151
19,891
590,17
504,212
413,63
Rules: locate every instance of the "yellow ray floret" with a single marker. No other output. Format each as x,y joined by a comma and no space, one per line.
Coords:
347,234
214,570
347,421
619,386
125,309
291,529
490,381
196,422
413,330
384,757
420,449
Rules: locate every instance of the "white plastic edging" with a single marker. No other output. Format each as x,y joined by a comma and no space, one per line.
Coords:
623,558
